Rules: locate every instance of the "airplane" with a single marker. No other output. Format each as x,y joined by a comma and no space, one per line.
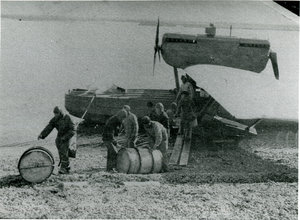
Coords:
183,51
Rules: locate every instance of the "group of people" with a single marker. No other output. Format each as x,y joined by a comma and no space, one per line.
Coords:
157,124
157,132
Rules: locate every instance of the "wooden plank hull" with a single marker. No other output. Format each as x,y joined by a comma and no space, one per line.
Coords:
105,105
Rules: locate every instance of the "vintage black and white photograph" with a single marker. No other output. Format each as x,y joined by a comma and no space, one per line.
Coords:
149,109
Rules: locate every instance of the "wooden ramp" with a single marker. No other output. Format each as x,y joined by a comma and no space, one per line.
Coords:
174,159
184,158
181,151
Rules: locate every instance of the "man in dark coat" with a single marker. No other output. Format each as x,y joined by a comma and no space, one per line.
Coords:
109,130
161,115
172,120
151,111
65,131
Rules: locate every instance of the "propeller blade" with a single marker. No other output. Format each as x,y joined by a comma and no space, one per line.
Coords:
156,47
159,54
157,34
273,58
154,59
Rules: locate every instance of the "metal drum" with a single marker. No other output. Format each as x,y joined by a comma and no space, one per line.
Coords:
128,161
157,161
36,164
146,160
139,160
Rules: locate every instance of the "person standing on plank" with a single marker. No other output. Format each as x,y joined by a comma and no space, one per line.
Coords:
65,131
186,110
158,138
131,127
111,125
185,86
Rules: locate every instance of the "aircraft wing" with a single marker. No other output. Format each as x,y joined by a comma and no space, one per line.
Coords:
248,96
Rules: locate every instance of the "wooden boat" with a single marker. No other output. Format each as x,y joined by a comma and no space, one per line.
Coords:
209,112
111,101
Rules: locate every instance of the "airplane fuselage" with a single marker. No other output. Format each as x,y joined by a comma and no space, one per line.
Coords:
182,50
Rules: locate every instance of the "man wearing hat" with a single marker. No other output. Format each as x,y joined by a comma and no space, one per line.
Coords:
65,131
109,130
158,138
131,127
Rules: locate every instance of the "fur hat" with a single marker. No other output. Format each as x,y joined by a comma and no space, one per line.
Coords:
127,108
122,114
146,120
173,105
57,110
160,106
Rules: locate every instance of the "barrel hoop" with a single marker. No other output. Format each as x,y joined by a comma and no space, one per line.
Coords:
140,163
139,157
141,160
152,169
24,168
39,150
36,148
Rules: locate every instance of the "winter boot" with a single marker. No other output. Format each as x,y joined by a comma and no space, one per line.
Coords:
64,170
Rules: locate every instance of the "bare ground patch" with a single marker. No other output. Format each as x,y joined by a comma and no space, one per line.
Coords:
239,162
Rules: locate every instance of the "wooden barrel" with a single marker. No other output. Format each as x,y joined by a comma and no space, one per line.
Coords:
146,160
36,164
128,161
157,161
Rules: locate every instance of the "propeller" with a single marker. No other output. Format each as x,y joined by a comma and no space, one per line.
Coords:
157,48
273,58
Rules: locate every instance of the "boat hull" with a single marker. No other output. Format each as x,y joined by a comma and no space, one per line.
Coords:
105,105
